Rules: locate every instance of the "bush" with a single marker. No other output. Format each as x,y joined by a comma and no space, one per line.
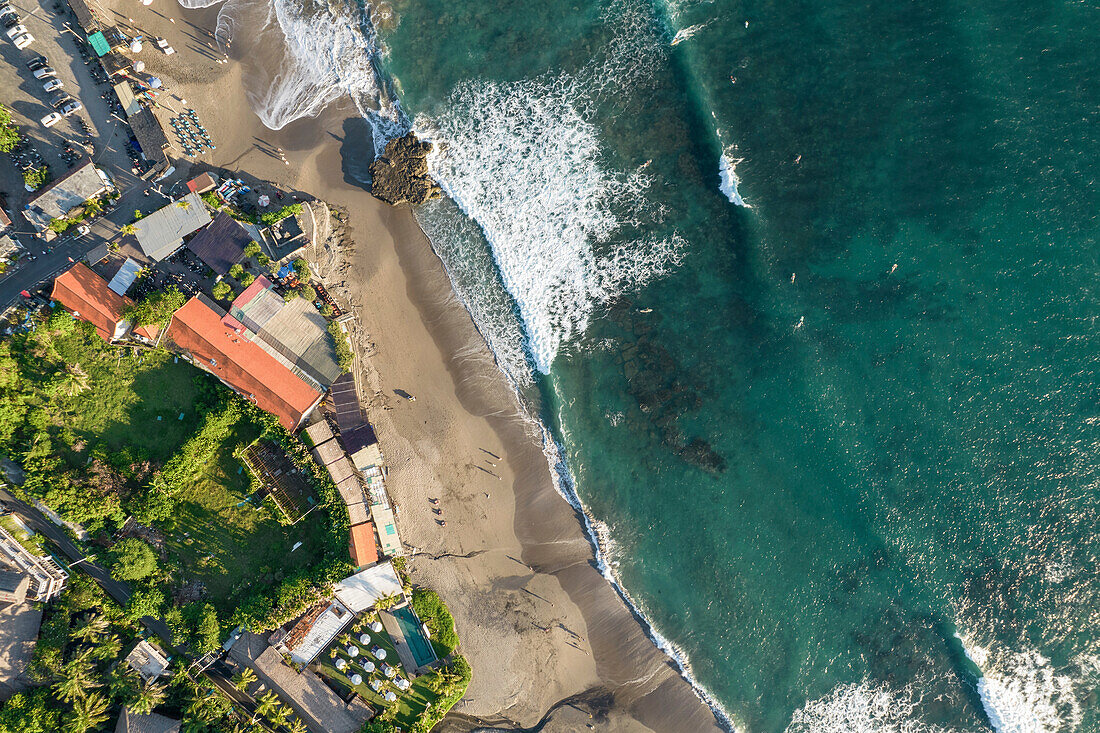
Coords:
274,217
222,291
60,225
9,133
291,295
210,199
138,214
344,357
247,279
307,292
301,269
156,308
253,249
429,607
36,178
236,271
145,602
132,559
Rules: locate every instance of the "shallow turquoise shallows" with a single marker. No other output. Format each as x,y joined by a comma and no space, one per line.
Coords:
807,293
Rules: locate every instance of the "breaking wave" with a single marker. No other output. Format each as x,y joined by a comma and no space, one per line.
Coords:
728,181
299,57
866,707
522,161
1022,692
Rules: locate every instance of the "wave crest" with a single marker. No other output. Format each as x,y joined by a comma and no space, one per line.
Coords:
866,707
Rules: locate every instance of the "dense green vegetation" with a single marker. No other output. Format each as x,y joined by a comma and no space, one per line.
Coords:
274,217
223,291
344,357
36,178
84,681
105,433
9,132
155,308
429,607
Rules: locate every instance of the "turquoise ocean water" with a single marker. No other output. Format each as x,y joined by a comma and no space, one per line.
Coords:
838,427
806,295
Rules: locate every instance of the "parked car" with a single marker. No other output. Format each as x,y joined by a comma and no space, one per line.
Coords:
37,62
9,20
18,30
82,230
23,41
52,85
71,107
59,99
162,44
44,72
51,119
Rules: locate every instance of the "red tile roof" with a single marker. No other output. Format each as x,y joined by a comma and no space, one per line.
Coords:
363,549
85,293
198,329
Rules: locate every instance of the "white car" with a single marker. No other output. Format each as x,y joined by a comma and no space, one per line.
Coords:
162,44
71,107
52,85
23,41
44,72
18,30
51,119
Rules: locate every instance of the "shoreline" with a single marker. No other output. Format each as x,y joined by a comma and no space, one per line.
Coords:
552,642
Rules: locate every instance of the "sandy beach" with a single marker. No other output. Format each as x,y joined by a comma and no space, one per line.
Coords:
549,640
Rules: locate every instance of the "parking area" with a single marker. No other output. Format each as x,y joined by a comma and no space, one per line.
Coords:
55,36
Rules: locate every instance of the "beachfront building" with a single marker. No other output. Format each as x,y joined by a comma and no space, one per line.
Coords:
161,233
64,195
221,244
364,551
198,333
91,298
131,722
293,332
147,660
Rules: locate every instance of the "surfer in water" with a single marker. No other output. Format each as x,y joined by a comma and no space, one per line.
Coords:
893,269
800,322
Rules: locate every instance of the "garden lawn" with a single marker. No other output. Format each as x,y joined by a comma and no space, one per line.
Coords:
226,539
126,395
410,703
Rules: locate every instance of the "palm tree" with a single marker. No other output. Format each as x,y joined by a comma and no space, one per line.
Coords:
266,703
280,715
127,230
149,696
76,680
88,712
122,682
298,726
243,679
77,380
93,207
96,624
184,204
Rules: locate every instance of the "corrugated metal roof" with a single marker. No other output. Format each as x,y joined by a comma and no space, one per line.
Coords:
162,232
125,276
126,95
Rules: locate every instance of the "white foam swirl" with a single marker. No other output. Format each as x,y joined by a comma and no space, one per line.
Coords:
522,160
866,707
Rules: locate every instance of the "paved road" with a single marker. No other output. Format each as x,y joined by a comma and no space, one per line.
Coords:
62,252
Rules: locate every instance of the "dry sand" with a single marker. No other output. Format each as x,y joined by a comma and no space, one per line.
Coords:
548,638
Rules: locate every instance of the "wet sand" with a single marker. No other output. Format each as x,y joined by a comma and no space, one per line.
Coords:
549,640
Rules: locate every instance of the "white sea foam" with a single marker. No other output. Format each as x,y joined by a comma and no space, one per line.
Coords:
1022,692
685,33
864,707
522,160
300,57
728,180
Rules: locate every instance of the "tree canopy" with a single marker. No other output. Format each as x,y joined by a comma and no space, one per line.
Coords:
132,559
156,308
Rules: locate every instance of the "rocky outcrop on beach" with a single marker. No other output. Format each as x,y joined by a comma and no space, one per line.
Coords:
400,175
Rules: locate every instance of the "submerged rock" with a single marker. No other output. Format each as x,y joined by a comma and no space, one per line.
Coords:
400,174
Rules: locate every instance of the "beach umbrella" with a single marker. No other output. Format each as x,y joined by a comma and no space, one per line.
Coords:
390,697
135,46
376,685
363,638
341,664
368,666
388,670
376,627
402,683
378,652
264,201
356,679
139,65
154,82
353,651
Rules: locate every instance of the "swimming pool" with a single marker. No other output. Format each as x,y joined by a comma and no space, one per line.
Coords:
419,644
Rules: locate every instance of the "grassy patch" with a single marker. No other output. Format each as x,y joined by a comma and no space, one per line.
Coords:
429,607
